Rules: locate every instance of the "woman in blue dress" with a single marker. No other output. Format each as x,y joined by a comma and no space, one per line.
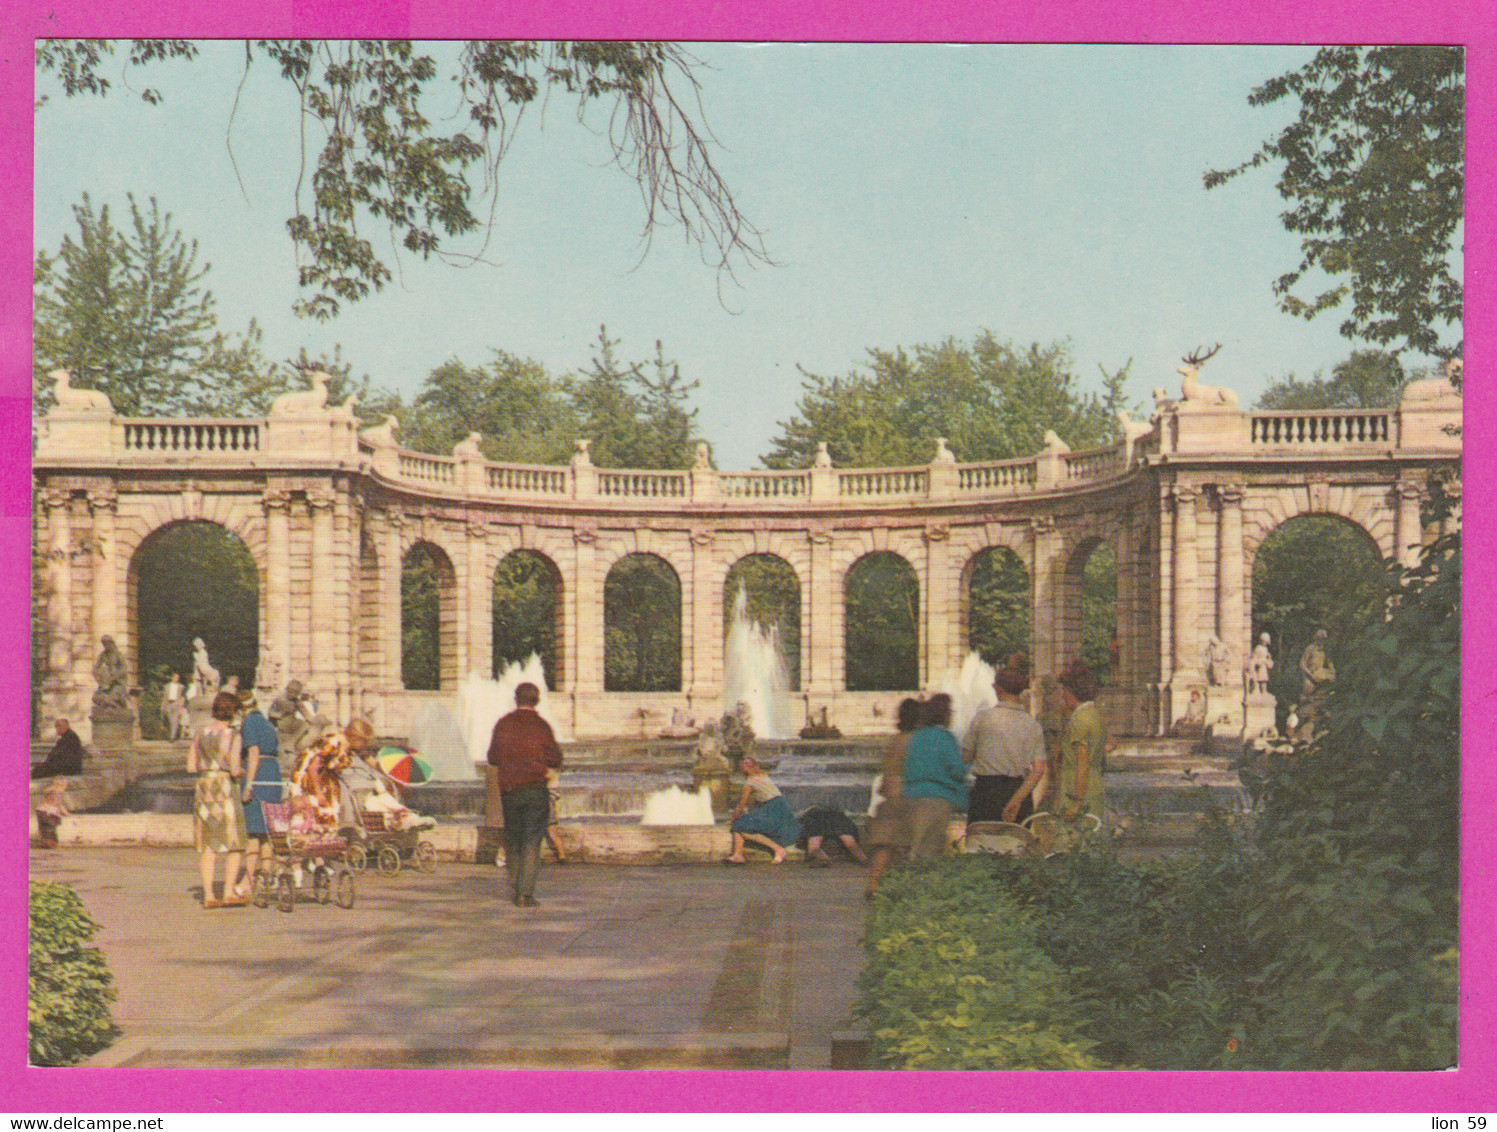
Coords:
762,815
262,783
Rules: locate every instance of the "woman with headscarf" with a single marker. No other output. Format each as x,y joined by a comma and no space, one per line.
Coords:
935,780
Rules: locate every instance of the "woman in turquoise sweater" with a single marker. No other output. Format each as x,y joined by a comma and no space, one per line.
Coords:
935,780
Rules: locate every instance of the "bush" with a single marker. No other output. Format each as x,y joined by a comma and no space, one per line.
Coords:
69,987
956,979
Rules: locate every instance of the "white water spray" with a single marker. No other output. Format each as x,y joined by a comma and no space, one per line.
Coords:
674,806
482,702
756,673
970,689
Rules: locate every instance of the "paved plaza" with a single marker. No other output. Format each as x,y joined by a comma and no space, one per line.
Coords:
665,966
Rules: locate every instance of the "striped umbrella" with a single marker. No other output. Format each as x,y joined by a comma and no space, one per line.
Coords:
403,766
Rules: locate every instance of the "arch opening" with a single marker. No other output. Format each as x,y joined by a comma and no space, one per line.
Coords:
428,619
527,613
191,579
772,592
882,602
642,626
997,600
1089,625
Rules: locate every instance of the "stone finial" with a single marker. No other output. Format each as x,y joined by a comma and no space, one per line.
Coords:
382,435
823,458
1133,432
703,460
943,454
468,448
580,458
77,400
313,400
1054,444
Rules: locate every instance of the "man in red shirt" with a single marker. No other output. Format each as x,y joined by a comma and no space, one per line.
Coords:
522,748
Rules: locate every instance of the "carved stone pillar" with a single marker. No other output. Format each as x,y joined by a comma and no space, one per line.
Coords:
59,581
102,561
1186,628
1044,591
480,652
588,595
1409,531
1231,590
340,615
823,617
390,565
938,646
277,602
705,681
323,613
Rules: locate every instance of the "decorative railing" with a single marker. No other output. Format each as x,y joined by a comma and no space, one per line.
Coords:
1095,463
191,435
1006,475
883,482
764,485
1348,426
523,480
428,469
642,485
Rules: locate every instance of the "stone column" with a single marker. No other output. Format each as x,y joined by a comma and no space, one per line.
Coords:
588,618
323,616
1186,628
706,684
59,580
346,550
103,566
1409,531
1044,588
277,602
821,679
390,564
480,583
1231,620
936,640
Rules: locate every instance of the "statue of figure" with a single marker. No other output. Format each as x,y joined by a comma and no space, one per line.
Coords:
823,458
682,726
112,676
1260,664
709,755
268,672
232,685
204,675
820,727
1214,661
737,733
703,460
1291,724
292,716
1315,667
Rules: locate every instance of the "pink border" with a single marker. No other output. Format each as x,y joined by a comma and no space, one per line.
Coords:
1469,1089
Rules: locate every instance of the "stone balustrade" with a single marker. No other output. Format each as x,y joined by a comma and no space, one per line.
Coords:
1325,427
198,436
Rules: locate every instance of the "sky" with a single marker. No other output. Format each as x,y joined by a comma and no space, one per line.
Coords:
906,193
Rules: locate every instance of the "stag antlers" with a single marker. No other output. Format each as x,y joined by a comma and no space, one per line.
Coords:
1198,359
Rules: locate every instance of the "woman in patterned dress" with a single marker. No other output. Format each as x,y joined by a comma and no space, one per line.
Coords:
217,816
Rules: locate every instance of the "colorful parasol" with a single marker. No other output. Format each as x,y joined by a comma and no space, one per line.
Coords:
403,766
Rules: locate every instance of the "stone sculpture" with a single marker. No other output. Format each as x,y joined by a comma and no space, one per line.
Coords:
1315,667
1194,391
204,676
1214,661
737,733
76,400
112,675
1260,664
268,672
820,728
681,726
312,400
712,769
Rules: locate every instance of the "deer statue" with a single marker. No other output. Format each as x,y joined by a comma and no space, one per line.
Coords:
1194,390
467,449
70,399
1133,432
1054,443
381,435
303,400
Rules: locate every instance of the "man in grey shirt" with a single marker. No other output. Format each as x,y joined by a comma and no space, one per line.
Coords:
1005,746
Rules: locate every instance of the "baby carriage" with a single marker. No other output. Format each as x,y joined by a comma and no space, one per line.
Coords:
1042,834
314,853
386,834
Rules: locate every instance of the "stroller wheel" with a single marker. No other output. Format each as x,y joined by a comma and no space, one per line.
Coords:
358,857
322,884
285,893
389,860
261,891
426,856
343,889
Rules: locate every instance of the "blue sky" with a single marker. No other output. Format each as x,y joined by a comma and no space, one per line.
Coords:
906,192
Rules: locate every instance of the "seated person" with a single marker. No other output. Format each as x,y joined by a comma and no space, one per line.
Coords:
66,755
398,817
821,822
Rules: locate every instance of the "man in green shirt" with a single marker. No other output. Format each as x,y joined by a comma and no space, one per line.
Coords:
1082,744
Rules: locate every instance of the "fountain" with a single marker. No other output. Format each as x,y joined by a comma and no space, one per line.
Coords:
482,701
755,674
439,740
970,689
674,806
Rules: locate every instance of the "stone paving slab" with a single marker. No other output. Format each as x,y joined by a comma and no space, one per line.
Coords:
665,966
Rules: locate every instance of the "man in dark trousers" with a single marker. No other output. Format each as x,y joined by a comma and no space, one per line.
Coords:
66,755
522,748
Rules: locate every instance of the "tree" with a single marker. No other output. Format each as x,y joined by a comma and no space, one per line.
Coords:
521,411
367,103
634,420
125,312
1369,379
990,399
1374,170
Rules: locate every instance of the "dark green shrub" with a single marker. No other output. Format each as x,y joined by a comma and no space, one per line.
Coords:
956,979
69,987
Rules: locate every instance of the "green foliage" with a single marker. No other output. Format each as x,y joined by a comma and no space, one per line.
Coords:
772,594
633,418
196,579
1374,171
642,611
527,589
1314,572
990,399
420,620
999,610
1369,379
517,406
69,987
375,156
956,978
125,312
883,625
1099,603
